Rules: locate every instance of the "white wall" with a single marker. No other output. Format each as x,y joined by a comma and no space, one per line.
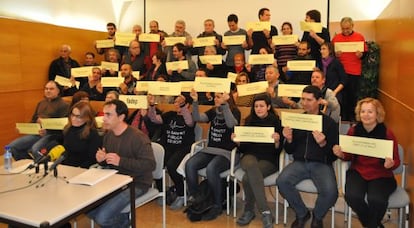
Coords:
357,9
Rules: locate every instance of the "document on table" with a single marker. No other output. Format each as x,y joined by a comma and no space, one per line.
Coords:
254,134
307,122
378,148
92,176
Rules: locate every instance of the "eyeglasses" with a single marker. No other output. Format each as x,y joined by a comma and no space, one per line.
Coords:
79,117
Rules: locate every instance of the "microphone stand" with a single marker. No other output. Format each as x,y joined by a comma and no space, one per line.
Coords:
45,166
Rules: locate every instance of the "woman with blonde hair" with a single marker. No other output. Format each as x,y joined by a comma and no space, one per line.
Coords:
368,175
80,136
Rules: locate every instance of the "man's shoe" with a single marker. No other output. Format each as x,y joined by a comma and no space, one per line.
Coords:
316,223
246,218
267,219
178,203
300,222
212,214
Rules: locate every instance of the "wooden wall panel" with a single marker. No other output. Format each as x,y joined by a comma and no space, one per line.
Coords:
27,50
367,28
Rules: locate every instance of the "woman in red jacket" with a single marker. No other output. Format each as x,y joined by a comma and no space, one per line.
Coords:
369,175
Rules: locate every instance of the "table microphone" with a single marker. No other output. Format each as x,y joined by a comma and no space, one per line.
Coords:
59,160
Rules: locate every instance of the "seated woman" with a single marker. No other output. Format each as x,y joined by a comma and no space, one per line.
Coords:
245,101
259,160
80,136
216,156
79,96
219,70
94,87
158,67
370,176
177,137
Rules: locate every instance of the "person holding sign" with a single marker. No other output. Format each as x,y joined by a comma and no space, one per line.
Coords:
135,57
216,156
315,39
286,52
299,77
177,137
352,62
158,67
52,106
179,31
261,39
233,49
369,177
112,56
213,70
313,157
111,29
272,78
94,87
130,82
245,101
259,160
179,51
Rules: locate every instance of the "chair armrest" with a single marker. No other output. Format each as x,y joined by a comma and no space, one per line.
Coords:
199,143
233,161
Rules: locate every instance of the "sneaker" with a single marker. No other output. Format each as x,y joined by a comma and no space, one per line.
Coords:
178,203
267,219
212,214
300,222
160,201
246,218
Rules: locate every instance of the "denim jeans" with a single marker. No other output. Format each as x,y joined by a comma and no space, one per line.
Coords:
215,164
322,175
22,146
109,213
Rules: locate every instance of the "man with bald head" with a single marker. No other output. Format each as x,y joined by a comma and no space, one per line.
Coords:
129,84
135,57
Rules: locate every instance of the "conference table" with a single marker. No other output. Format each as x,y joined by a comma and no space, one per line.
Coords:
28,199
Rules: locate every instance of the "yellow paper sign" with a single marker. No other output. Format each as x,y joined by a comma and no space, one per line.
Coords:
108,43
63,81
149,37
111,81
212,59
81,71
234,40
204,41
378,148
171,40
54,123
290,90
205,84
109,66
308,26
349,46
301,65
258,26
254,134
175,65
28,128
252,88
135,101
165,88
99,121
257,59
187,86
123,39
307,122
232,76
284,39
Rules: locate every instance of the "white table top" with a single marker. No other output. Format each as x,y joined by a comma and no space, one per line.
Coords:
51,199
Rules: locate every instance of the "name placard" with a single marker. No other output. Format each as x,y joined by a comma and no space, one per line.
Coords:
258,25
81,71
108,43
219,85
252,88
232,76
290,90
187,86
234,40
212,59
257,59
204,41
378,148
135,101
109,66
165,88
301,65
308,26
349,46
28,128
170,41
254,134
307,122
175,65
149,37
111,81
285,39
123,38
54,123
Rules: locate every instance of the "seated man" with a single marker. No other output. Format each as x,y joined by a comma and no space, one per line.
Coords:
128,86
52,106
129,151
313,157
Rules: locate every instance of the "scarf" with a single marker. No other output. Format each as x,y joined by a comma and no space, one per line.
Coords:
326,62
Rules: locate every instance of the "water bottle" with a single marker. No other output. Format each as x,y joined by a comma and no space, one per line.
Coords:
7,158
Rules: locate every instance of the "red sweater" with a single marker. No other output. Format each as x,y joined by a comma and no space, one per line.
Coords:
352,64
372,168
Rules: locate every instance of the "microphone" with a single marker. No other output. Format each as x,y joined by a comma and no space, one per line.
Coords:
43,154
53,154
59,160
